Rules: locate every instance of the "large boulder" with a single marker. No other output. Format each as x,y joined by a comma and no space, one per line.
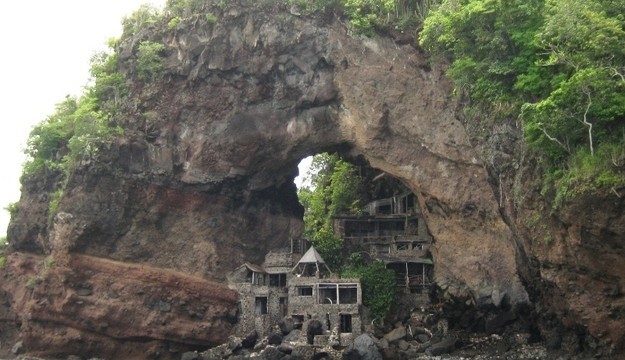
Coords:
363,348
445,346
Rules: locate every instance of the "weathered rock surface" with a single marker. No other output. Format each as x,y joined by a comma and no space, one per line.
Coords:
363,348
201,181
122,317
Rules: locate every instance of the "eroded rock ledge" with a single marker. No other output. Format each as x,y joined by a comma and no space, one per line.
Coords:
91,306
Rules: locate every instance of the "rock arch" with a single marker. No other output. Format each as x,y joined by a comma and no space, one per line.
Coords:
203,179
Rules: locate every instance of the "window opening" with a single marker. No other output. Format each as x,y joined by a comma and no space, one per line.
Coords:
261,305
348,294
277,280
328,293
346,323
304,291
403,246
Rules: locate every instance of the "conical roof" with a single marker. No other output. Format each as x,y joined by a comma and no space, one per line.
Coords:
311,257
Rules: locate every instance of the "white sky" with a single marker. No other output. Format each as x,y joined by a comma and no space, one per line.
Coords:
303,169
44,55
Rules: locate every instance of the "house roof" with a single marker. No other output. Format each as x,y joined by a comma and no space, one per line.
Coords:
311,257
254,268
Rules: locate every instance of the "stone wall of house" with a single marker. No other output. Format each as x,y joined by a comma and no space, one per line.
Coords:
249,318
310,309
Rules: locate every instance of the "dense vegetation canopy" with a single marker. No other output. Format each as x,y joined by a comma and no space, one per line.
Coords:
558,66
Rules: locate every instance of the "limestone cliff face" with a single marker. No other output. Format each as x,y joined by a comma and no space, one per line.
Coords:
201,181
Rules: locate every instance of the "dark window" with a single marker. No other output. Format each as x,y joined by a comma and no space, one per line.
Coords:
277,280
346,323
304,291
261,305
327,294
284,303
348,294
256,278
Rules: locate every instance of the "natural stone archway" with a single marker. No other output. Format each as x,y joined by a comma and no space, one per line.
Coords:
274,91
203,179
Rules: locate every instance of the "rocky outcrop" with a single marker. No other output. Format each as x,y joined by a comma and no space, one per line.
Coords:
79,304
201,180
209,154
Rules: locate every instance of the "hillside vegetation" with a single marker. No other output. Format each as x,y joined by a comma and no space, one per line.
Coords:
557,66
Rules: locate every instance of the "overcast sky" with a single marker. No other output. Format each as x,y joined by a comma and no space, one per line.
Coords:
44,55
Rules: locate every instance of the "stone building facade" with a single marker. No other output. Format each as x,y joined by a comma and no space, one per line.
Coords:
300,287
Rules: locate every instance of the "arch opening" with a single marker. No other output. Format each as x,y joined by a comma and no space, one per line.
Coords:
380,220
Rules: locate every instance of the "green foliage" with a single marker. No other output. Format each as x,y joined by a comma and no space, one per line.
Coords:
586,172
174,22
32,282
53,205
211,18
378,285
47,142
366,16
77,128
185,8
308,6
109,86
558,65
149,61
143,17
48,262
3,245
334,190
72,133
12,208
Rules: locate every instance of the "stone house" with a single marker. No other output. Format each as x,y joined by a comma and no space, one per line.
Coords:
302,287
305,291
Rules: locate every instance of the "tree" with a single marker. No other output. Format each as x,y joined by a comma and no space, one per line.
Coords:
334,190
557,65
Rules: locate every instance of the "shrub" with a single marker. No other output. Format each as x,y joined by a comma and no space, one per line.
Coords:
13,209
144,16
53,205
48,262
173,23
378,285
149,61
211,18
185,8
